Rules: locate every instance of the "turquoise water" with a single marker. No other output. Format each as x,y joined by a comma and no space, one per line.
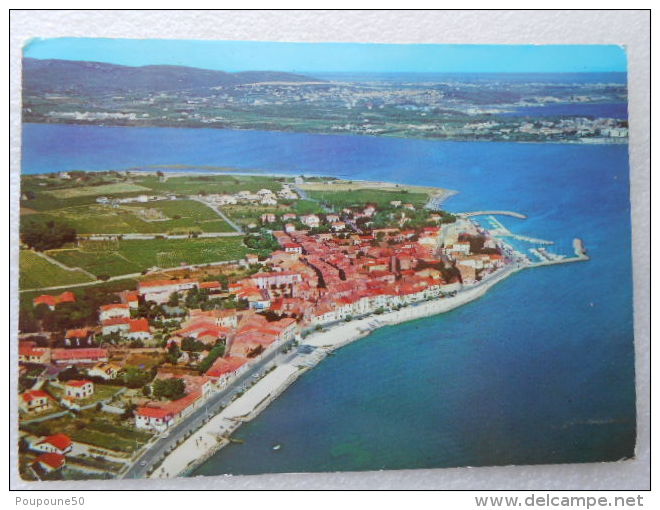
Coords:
540,370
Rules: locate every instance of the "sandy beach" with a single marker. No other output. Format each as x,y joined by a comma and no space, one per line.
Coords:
215,434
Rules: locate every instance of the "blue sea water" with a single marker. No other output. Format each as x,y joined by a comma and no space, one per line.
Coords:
539,370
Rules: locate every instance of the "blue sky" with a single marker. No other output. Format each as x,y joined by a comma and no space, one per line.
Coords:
334,57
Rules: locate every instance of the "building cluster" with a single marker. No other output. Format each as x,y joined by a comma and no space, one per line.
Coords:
311,281
261,197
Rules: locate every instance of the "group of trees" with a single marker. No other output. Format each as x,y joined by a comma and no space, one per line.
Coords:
47,235
217,351
171,389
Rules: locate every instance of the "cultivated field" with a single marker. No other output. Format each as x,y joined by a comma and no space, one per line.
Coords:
103,189
112,258
358,197
160,217
37,272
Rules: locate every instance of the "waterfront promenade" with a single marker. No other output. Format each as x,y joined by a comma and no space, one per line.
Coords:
214,435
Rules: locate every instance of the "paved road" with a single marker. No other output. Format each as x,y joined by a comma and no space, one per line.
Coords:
130,275
219,212
195,420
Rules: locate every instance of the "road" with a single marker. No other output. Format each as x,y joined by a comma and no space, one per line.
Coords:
194,421
131,275
219,212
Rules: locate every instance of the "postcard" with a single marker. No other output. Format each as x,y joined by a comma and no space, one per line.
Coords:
255,257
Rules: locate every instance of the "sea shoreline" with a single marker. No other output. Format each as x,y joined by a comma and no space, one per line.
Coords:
215,434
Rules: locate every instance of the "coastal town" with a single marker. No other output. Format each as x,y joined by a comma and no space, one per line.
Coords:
440,107
155,377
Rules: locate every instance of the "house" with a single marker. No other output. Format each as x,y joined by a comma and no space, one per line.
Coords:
212,287
34,401
114,311
48,462
130,297
79,337
311,220
338,225
252,258
31,354
53,301
105,371
117,325
289,227
293,248
75,356
78,389
160,416
395,203
267,279
139,329
268,218
58,443
160,291
288,216
331,218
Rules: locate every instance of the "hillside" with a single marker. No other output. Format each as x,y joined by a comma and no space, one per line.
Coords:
93,78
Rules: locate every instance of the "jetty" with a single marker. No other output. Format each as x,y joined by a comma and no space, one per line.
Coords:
500,230
548,259
498,213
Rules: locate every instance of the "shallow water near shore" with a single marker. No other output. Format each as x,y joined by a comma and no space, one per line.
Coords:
539,370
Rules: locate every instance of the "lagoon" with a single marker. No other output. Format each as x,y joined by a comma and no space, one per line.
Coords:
539,370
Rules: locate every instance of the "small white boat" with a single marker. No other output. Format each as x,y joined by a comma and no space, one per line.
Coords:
277,447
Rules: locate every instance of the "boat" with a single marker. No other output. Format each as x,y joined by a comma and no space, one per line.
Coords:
277,447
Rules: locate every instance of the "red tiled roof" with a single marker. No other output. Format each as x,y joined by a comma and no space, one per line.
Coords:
78,383
45,299
29,396
78,333
29,350
53,460
139,325
209,285
114,306
161,283
115,320
65,354
225,365
59,441
153,412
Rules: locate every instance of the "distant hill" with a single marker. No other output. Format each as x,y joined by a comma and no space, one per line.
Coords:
94,78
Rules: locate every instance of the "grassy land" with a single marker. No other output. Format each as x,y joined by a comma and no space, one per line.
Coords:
103,189
37,272
125,257
359,197
163,216
96,429
195,184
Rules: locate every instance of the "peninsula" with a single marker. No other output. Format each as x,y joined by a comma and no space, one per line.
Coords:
145,372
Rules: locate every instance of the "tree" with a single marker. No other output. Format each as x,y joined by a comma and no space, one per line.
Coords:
172,389
213,354
47,235
173,354
136,377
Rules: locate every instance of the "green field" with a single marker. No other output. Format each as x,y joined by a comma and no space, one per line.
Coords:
220,184
163,216
103,189
104,431
360,197
114,258
37,272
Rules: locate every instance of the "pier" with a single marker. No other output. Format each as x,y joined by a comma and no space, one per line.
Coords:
501,231
498,213
548,259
